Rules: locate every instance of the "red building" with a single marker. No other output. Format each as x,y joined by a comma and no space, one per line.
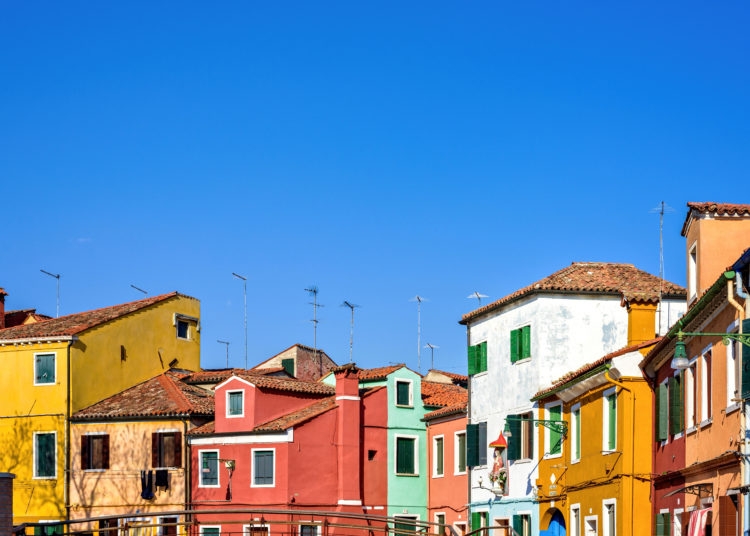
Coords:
290,444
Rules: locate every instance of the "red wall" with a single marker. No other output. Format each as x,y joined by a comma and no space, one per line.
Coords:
667,458
374,437
447,494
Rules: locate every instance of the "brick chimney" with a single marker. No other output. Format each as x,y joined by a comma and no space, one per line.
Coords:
3,294
716,235
348,436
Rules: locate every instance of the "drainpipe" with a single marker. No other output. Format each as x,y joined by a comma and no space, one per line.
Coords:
632,448
744,421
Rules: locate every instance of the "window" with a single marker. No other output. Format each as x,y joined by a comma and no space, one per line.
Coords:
209,469
520,344
478,358
662,411
167,526
677,522
527,437
663,524
210,531
734,353
48,530
308,530
183,329
404,395
609,525
166,449
575,433
288,366
575,520
45,454
263,468
676,411
94,451
693,272
107,524
706,386
690,395
406,455
553,444
476,444
459,446
522,524
609,427
44,369
406,524
479,519
591,525
437,456
234,404
255,530
440,520
371,455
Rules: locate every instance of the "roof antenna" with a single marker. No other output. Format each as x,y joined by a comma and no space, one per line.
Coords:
313,291
227,343
661,209
432,353
419,299
351,306
56,276
140,290
478,296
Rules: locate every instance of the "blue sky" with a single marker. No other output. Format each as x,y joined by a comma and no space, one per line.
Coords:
376,150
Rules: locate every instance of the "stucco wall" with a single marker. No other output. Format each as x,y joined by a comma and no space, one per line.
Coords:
447,494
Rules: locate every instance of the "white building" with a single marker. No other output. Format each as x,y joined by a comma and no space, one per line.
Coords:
528,339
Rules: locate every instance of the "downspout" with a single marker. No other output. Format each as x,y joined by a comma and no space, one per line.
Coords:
744,421
632,448
66,487
187,464
468,420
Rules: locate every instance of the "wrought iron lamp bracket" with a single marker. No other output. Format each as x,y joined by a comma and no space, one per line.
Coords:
560,427
742,338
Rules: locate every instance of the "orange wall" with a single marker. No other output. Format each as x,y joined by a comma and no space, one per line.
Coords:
447,494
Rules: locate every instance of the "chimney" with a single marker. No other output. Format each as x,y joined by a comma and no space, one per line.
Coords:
641,321
348,436
716,235
3,294
6,503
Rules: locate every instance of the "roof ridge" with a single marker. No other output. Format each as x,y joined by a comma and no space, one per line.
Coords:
182,402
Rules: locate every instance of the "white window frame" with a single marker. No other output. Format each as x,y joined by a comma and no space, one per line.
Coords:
692,273
734,364
210,527
691,421
574,434
177,329
88,434
457,524
315,524
160,528
528,514
434,456
245,528
252,475
577,530
228,415
200,468
435,520
455,453
396,437
705,402
34,365
605,525
677,519
547,446
593,518
605,420
498,521
34,448
676,374
396,381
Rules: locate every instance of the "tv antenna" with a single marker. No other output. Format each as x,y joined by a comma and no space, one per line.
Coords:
227,343
661,209
56,276
140,290
244,285
478,296
351,306
313,291
419,299
432,353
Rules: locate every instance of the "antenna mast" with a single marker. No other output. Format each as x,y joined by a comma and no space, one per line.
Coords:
351,306
313,291
419,299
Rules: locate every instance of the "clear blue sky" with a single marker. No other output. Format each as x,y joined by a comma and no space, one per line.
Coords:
377,150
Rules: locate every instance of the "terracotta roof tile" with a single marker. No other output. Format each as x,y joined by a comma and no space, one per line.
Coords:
442,394
219,375
206,429
287,384
78,322
455,409
624,280
570,376
379,373
163,395
453,375
298,416
722,209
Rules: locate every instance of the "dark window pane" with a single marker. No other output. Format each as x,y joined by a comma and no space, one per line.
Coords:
45,368
405,456
182,329
308,530
209,468
263,468
45,455
235,403
402,393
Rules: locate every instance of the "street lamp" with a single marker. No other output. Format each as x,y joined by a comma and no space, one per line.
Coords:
680,360
560,427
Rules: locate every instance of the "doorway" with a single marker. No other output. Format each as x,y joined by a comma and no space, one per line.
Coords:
556,525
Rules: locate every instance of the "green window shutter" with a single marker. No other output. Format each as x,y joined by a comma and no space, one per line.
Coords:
525,342
288,365
235,403
472,351
662,412
515,339
555,438
577,417
482,357
472,442
45,368
745,363
514,442
476,520
482,443
402,393
681,395
405,456
675,399
518,524
439,456
612,411
461,453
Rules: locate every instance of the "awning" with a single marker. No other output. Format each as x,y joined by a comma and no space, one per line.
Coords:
697,526
701,490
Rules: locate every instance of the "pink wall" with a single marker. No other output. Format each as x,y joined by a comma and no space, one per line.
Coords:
447,494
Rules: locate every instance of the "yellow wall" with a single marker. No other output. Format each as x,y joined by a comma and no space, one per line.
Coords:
97,372
598,477
641,322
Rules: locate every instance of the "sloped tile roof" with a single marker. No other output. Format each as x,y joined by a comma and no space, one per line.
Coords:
78,322
379,373
164,395
287,384
298,416
721,209
624,280
206,429
570,376
442,394
455,409
219,375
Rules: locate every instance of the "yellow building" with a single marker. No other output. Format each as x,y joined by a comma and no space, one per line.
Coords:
594,475
56,367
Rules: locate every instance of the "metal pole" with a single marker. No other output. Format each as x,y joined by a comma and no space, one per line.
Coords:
56,276
244,282
227,344
351,338
419,335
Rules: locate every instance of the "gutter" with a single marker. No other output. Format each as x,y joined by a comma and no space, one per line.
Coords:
632,448
34,340
593,372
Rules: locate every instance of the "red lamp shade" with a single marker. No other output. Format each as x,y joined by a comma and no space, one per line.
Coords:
500,442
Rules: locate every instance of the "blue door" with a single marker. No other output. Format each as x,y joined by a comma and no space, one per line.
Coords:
556,526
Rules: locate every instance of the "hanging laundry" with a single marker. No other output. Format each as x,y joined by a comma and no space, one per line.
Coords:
162,479
147,485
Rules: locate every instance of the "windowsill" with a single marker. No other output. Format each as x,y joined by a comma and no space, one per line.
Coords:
608,452
166,468
479,374
552,456
407,474
524,360
209,485
262,485
43,384
94,470
705,423
730,409
45,477
404,406
691,430
438,476
575,461
183,338
234,416
677,436
523,460
459,473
